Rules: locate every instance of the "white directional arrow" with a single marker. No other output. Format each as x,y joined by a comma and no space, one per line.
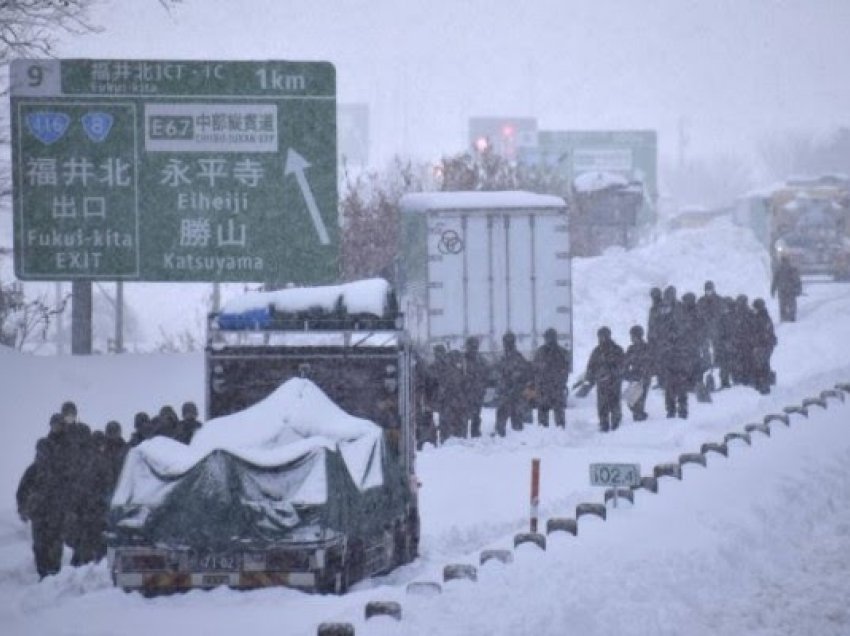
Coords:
296,164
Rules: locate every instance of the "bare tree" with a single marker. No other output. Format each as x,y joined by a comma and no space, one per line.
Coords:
28,27
369,208
798,153
713,182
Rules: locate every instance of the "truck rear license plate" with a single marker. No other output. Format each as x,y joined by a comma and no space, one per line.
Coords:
215,579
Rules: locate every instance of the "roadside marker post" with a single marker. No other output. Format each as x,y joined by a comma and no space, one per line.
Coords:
615,476
535,492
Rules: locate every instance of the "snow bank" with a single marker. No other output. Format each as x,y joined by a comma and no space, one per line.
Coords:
613,289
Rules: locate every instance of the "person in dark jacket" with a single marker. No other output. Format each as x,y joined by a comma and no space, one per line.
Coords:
710,309
189,425
696,345
652,322
40,498
725,350
786,282
453,397
675,360
425,392
87,490
142,428
741,362
605,370
513,379
166,422
763,343
476,374
637,368
115,449
552,365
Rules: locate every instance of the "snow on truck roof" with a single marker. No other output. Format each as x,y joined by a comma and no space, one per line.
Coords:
595,180
367,296
496,200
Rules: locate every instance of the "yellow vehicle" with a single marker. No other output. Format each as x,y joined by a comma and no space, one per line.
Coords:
806,220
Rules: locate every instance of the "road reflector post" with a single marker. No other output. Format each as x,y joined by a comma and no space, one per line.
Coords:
455,571
562,524
671,470
535,493
502,556
597,509
383,608
424,588
711,447
530,537
692,458
335,629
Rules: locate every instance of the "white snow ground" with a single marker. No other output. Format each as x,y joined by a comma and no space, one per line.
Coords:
757,543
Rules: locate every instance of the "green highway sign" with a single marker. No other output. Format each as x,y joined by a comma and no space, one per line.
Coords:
146,170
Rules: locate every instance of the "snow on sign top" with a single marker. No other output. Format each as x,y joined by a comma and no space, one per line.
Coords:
367,296
595,181
498,200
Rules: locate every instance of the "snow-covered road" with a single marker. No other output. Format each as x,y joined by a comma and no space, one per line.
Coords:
756,543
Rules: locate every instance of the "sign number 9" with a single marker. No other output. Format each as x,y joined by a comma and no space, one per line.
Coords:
35,75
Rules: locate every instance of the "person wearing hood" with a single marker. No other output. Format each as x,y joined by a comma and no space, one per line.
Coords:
605,370
763,343
41,502
513,379
552,366
674,358
787,283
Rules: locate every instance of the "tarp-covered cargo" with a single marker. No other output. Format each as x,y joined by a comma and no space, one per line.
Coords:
292,468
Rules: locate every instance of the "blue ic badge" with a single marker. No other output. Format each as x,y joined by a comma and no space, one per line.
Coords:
97,125
48,127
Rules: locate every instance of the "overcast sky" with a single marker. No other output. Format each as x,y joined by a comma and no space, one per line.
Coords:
731,70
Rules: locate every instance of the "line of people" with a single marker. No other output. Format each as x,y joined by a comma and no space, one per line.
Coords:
64,494
453,388
686,339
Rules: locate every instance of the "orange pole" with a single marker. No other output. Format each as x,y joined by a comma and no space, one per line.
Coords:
535,492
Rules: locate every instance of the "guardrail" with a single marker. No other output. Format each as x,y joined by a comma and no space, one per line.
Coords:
570,526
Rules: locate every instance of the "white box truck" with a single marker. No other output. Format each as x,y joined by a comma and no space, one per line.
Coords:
483,263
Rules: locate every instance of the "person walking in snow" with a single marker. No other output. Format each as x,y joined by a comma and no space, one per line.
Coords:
696,346
786,282
763,343
652,323
742,346
115,450
637,369
513,379
710,309
605,370
41,502
552,365
476,375
675,361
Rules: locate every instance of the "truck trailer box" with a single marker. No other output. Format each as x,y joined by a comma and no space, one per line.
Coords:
484,263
